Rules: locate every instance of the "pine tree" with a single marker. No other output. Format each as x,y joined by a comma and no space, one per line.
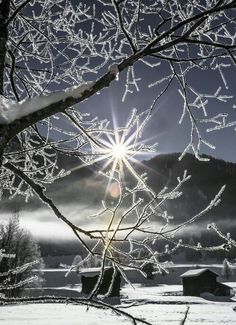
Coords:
76,261
226,269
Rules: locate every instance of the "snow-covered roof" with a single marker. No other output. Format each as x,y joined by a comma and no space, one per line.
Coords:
92,270
223,285
197,272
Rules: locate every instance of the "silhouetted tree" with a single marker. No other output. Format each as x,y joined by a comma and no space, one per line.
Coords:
226,269
25,258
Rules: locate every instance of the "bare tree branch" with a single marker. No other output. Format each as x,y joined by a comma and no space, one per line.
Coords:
4,13
78,301
15,13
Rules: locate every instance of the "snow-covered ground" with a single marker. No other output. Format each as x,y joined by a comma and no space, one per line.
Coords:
160,305
161,314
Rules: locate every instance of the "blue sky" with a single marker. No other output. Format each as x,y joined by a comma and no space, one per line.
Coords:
164,126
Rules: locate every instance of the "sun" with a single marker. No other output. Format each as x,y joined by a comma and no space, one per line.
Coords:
119,151
118,148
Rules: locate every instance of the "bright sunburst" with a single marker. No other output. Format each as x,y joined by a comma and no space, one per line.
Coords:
119,151
118,148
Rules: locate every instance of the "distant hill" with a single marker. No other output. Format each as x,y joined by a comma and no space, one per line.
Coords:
84,185
163,170
207,178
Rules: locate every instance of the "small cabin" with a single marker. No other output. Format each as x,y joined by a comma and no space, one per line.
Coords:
195,282
89,282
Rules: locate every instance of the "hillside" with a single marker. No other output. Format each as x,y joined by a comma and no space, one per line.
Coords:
81,192
206,180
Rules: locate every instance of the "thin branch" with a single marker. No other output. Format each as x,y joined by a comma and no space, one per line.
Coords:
4,13
40,192
182,322
213,44
232,56
79,301
98,144
12,75
126,33
18,9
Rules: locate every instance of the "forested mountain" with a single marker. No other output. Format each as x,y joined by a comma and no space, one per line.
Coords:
206,180
86,187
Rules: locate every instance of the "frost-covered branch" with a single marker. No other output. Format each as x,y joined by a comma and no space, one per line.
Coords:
76,301
189,22
40,192
4,13
55,55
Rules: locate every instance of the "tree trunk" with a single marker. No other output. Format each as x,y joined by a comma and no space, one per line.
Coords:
4,15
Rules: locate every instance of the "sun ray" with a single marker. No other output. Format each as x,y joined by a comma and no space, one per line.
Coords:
85,164
107,163
111,139
116,150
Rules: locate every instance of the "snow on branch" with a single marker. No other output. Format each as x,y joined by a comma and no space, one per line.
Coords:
11,110
176,41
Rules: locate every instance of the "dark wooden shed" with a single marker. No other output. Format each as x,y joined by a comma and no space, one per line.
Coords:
89,282
195,282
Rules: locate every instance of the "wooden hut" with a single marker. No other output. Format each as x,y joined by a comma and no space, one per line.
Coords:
195,282
89,282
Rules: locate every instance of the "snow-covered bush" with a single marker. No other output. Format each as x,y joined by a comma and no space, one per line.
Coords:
20,259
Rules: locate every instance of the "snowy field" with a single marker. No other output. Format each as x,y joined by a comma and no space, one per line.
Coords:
57,314
160,305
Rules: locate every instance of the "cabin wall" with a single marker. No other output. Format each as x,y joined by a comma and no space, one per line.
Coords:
89,282
194,286
205,282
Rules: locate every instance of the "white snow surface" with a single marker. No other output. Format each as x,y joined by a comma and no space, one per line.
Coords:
114,70
160,305
11,110
162,314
